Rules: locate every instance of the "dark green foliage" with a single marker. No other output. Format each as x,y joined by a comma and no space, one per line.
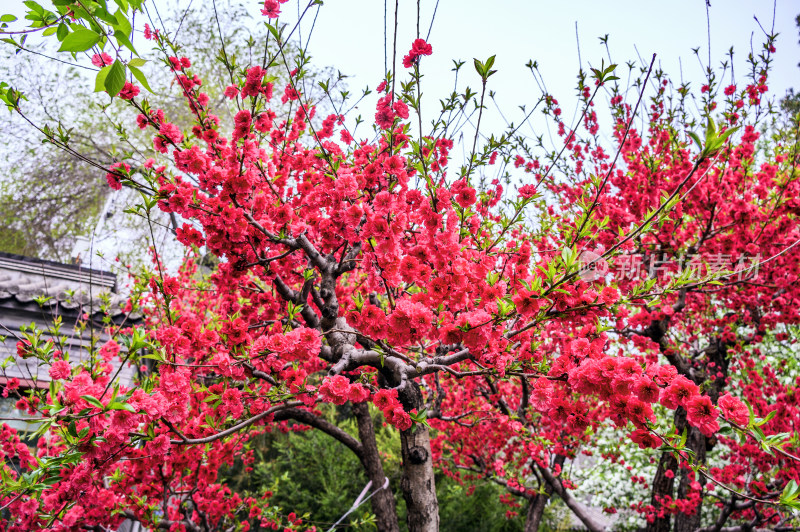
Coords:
314,475
482,510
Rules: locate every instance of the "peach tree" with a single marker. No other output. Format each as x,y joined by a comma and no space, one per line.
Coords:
499,309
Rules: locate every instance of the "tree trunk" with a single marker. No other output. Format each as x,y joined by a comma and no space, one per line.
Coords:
716,353
419,487
383,504
695,441
590,521
664,485
536,510
417,484
538,503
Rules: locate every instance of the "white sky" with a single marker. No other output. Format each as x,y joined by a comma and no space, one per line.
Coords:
350,35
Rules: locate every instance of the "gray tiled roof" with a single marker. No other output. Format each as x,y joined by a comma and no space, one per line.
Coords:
67,288
70,291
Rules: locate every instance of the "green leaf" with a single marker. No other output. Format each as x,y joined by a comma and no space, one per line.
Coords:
484,68
140,77
100,80
123,40
682,444
725,430
124,24
766,419
79,41
274,31
479,68
92,401
33,6
8,18
102,13
63,31
115,79
49,481
790,493
137,62
728,132
696,138
121,406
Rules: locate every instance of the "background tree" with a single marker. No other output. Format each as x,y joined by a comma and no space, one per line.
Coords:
50,199
791,102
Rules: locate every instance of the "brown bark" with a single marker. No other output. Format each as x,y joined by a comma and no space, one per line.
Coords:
383,504
663,484
695,441
418,485
537,504
580,511
535,511
307,418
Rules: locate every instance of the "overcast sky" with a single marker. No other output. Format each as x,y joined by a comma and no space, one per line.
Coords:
349,34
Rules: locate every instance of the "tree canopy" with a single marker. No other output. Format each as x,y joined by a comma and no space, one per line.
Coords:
514,315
